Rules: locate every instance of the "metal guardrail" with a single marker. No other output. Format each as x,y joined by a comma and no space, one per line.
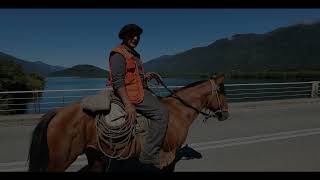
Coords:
40,101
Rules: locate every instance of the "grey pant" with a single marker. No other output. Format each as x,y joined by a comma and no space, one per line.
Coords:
158,114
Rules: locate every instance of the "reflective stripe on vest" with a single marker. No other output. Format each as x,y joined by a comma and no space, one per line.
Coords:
133,84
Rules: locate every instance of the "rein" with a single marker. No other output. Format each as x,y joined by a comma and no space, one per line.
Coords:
207,115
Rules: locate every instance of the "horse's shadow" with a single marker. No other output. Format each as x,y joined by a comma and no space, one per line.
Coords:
132,165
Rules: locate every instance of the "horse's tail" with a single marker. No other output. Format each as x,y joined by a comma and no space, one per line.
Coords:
39,151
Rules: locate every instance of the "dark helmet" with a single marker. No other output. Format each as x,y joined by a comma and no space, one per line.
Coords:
130,29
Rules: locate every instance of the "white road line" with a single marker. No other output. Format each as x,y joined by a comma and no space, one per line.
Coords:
15,163
25,163
22,165
14,170
263,136
19,167
255,141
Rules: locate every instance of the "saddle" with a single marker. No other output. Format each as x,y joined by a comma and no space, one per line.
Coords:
108,108
117,137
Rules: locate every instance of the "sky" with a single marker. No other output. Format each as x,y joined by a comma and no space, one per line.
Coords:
68,37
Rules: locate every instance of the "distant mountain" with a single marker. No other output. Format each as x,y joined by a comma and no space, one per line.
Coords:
81,71
286,48
32,67
160,61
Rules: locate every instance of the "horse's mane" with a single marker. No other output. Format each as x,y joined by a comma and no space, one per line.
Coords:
195,84
188,86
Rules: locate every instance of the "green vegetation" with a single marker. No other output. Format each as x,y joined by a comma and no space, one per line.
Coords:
185,74
286,74
87,71
14,79
289,74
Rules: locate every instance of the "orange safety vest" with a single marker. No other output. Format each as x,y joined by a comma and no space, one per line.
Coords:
133,84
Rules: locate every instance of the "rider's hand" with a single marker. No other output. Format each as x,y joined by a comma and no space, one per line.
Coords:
131,112
151,75
148,76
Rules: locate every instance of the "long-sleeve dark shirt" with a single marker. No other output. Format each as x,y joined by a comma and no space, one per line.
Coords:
118,68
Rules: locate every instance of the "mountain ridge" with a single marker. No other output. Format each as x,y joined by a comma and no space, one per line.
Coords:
292,47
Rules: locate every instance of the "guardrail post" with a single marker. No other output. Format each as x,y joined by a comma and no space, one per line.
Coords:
315,89
38,100
34,102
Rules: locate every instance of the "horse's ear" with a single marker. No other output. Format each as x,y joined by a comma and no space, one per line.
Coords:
214,76
219,78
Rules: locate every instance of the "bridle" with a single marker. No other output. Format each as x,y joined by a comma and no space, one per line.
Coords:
217,90
214,89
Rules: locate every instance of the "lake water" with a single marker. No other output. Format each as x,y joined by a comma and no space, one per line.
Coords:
64,83
51,100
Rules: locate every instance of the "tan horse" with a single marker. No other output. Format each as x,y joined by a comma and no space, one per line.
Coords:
62,135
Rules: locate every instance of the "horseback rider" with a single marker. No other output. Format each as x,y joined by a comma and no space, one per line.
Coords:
128,81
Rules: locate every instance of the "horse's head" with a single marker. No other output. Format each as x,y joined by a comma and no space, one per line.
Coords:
217,101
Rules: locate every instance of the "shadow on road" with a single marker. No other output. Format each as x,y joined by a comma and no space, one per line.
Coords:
185,153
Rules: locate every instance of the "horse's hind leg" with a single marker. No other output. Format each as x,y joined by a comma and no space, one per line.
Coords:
60,159
63,150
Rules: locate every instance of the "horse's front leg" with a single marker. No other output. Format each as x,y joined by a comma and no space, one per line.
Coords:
97,162
169,168
98,165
